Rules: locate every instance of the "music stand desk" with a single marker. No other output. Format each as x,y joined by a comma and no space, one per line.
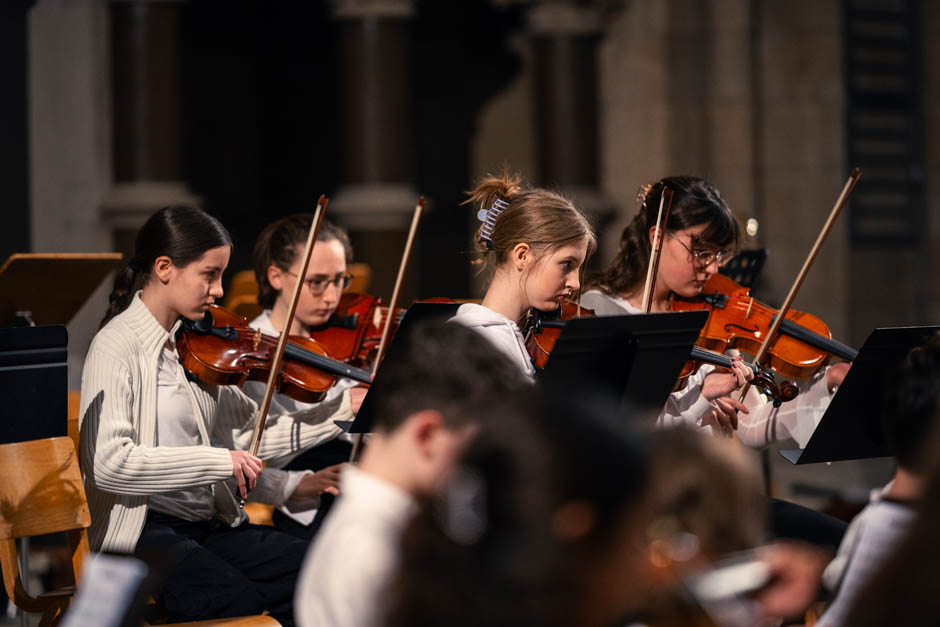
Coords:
852,428
634,359
51,287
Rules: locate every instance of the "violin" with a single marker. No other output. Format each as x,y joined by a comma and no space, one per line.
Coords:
222,349
353,332
544,328
736,320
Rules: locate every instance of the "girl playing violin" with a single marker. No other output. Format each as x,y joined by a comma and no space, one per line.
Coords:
277,258
160,450
701,235
535,243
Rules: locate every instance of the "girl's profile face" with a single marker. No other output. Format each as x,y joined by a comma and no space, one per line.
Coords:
195,286
677,268
555,276
323,286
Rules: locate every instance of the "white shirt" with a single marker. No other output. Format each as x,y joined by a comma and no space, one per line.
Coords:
177,425
302,511
499,330
687,406
765,424
355,552
869,540
281,404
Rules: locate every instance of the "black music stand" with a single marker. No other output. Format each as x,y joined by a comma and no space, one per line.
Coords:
33,382
745,268
417,313
851,428
632,359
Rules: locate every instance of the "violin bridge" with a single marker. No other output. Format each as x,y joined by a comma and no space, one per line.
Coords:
257,339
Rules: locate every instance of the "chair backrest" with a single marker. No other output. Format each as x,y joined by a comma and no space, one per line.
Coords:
41,492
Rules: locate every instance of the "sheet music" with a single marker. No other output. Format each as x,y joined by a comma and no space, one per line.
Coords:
107,588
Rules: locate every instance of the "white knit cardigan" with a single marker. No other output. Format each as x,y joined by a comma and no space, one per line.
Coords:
118,425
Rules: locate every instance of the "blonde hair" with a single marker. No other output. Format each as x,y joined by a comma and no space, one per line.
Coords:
544,220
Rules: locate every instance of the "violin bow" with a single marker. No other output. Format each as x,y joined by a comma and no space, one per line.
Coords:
282,340
386,331
814,251
653,268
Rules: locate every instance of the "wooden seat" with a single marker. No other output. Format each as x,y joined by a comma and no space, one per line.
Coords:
41,493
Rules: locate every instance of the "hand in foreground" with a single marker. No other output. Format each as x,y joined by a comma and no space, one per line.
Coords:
796,570
836,374
724,381
725,413
245,468
356,396
325,481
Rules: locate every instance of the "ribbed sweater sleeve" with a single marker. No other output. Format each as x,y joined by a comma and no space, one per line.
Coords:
284,435
119,461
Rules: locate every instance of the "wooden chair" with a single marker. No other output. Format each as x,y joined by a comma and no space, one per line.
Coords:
242,295
41,492
362,277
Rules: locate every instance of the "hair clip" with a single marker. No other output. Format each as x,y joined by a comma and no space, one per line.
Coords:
135,265
461,509
488,218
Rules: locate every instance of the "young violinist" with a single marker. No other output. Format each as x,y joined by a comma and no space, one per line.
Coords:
277,257
535,243
163,454
701,235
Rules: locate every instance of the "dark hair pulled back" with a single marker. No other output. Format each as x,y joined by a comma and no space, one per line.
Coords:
694,202
282,241
179,232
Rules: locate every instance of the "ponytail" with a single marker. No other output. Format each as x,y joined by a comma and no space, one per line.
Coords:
126,284
179,232
512,214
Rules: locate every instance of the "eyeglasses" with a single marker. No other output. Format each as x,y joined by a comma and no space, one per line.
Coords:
704,257
318,284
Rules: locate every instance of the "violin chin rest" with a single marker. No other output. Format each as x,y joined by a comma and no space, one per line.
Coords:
204,325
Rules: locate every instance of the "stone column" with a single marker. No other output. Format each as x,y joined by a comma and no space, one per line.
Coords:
14,151
145,113
565,37
377,198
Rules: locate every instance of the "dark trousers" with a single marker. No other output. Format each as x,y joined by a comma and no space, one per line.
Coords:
317,458
215,571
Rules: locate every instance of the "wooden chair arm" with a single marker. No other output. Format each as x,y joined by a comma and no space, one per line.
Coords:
243,621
